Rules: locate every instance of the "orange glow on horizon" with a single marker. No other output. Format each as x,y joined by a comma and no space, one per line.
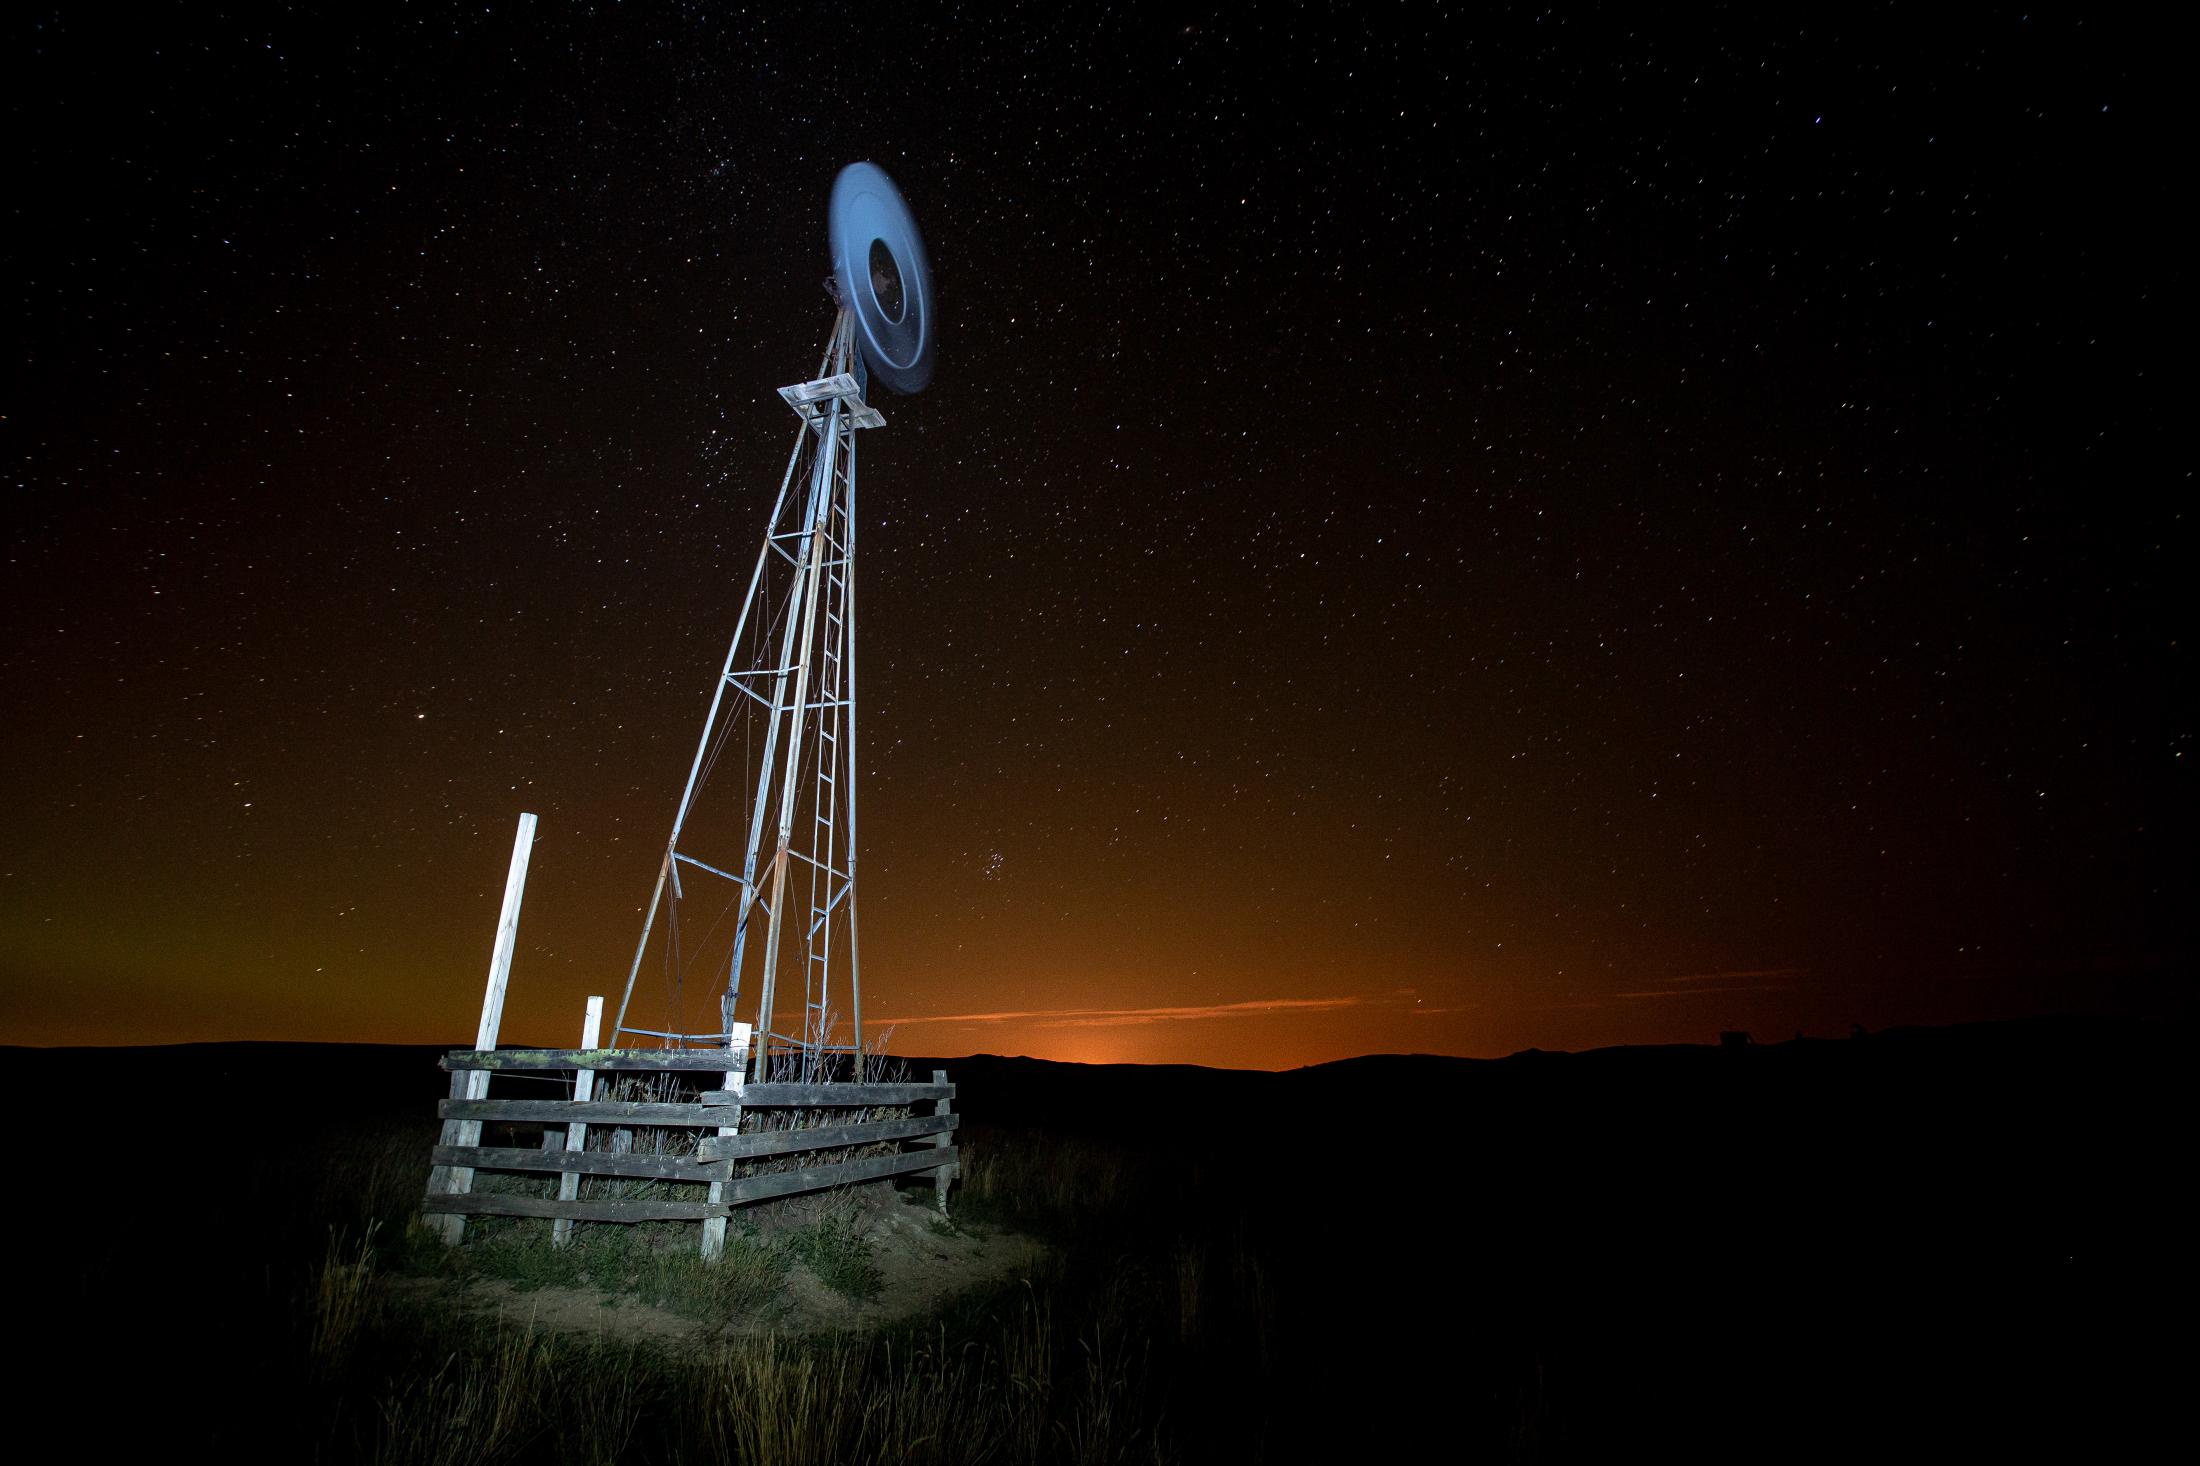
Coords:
360,955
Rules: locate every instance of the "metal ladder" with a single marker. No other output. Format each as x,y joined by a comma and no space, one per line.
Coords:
824,847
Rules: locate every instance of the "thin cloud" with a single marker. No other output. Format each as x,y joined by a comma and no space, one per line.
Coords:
1736,975
1688,984
1126,1017
1703,992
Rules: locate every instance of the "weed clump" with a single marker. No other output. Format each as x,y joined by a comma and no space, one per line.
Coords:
835,1250
655,1263
343,1298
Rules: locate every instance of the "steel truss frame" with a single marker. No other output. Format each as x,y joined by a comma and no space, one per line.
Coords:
796,680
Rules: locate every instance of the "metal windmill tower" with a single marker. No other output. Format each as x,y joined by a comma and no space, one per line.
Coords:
758,894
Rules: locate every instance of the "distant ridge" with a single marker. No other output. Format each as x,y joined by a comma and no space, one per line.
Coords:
2046,1028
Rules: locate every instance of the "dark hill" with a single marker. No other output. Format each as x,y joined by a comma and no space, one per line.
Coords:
1935,1242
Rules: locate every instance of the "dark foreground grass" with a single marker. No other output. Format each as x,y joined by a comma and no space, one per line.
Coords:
652,1263
1020,1375
1853,1251
1129,1343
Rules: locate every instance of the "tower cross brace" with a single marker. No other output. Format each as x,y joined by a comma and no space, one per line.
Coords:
788,684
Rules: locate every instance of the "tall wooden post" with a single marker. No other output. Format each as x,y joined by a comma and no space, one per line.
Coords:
460,1179
576,1134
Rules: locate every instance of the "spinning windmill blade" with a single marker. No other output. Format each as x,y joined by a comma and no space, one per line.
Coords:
883,277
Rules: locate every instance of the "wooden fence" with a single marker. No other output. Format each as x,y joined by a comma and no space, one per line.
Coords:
781,1120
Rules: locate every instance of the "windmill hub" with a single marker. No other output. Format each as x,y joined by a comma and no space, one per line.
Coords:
884,278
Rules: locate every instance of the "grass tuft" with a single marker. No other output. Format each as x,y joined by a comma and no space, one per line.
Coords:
343,1298
834,1248
656,1263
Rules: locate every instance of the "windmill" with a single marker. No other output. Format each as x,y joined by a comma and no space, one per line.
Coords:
756,893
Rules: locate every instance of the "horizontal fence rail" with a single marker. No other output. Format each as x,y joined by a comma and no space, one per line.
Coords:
661,1061
822,1137
491,1204
623,1112
748,1189
583,1162
717,1157
781,1096
818,1178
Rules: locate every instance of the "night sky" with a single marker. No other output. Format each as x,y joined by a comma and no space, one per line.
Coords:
1520,529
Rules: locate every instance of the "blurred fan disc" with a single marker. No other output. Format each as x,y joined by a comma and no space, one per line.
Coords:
878,258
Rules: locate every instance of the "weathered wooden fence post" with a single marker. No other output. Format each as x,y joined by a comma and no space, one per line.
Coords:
474,1083
576,1134
737,1067
940,1141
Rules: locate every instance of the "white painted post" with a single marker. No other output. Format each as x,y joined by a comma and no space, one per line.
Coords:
460,1179
576,1133
737,1068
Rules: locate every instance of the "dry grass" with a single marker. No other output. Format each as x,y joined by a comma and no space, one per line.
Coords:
1076,1362
1049,1180
1010,1382
782,1401
344,1300
475,1407
1191,1269
1115,1349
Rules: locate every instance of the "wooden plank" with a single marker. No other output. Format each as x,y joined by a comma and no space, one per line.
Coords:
817,1178
494,1204
565,1112
576,1133
822,1137
578,1163
784,1096
677,1061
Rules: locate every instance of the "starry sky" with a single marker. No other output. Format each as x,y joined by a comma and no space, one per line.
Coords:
1431,532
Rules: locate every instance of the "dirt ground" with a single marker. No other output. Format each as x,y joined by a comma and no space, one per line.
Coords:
921,1266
